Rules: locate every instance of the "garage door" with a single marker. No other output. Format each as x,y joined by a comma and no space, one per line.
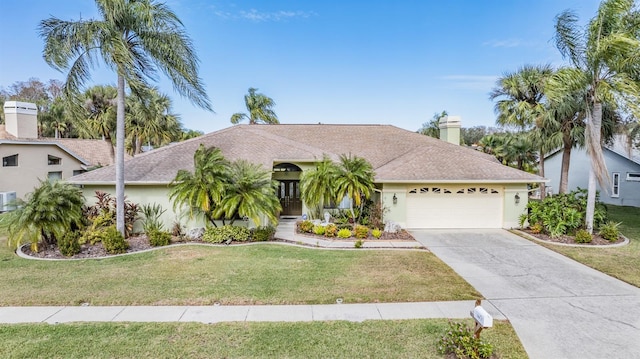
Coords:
454,207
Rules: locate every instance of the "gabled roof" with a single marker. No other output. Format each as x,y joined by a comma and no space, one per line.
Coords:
619,146
89,152
396,155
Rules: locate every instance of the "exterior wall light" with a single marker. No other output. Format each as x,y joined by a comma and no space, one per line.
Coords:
517,198
395,199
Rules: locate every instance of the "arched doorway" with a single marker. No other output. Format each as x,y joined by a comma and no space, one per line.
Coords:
288,177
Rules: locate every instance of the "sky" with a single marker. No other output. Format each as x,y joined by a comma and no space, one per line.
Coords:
358,62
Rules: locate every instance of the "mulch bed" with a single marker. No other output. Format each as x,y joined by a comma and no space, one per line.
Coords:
596,241
401,235
136,244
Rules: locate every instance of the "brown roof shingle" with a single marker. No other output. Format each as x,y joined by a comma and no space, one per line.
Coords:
396,155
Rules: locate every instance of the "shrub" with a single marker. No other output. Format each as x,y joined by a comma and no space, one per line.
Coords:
113,241
609,231
177,230
319,230
226,234
106,204
330,230
306,226
459,341
265,233
344,233
151,221
376,233
536,228
582,236
358,243
361,232
68,244
561,214
158,238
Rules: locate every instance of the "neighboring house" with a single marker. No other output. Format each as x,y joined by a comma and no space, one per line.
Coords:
423,182
623,166
27,159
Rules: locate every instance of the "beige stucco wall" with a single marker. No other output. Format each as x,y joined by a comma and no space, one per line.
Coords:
512,211
33,166
395,212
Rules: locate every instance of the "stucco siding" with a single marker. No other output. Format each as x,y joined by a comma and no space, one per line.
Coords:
33,166
629,191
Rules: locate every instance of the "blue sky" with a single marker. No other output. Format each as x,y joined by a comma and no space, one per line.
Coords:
384,62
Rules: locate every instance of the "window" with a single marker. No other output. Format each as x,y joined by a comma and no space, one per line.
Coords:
53,160
634,177
78,172
54,176
615,185
10,161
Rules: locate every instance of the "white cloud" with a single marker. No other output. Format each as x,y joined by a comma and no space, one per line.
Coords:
504,43
264,16
471,82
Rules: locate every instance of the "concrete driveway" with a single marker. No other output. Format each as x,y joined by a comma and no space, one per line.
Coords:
559,307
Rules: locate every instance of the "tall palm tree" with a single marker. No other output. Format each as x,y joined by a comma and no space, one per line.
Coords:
260,109
249,193
521,104
355,180
432,128
317,185
149,119
604,59
134,38
202,190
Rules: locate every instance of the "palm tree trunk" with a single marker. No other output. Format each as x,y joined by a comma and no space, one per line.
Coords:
138,149
543,187
566,159
120,155
593,146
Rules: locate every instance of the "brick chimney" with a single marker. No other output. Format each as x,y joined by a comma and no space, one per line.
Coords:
21,119
450,129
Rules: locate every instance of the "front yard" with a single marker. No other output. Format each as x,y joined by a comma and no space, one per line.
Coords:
257,274
620,262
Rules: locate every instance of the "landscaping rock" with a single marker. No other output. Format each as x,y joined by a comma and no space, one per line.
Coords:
392,227
195,233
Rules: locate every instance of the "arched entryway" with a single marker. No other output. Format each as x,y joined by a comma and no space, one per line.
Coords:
288,177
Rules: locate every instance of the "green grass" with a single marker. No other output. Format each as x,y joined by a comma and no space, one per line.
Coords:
340,339
258,274
620,262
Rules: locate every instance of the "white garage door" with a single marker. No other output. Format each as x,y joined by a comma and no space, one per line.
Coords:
454,207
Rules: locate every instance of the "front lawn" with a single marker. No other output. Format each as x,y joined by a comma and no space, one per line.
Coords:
620,262
257,274
340,339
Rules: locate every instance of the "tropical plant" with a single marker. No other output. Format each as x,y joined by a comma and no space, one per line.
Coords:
226,234
249,192
361,231
260,109
376,233
113,241
318,230
135,39
263,233
202,190
152,214
344,233
460,341
601,68
354,180
158,238
609,231
68,244
317,185
330,230
582,236
51,210
432,128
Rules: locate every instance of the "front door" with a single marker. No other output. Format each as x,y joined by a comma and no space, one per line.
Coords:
289,194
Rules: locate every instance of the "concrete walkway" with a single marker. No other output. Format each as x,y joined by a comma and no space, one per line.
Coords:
248,313
559,307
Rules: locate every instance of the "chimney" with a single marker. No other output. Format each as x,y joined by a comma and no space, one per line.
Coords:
450,129
21,119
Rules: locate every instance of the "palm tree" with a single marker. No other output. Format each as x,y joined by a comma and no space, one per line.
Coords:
354,179
317,185
51,210
202,190
604,59
521,104
260,109
249,193
432,128
134,38
149,119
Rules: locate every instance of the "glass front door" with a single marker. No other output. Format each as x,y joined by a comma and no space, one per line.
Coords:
289,194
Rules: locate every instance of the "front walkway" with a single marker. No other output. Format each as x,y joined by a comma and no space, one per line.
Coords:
558,307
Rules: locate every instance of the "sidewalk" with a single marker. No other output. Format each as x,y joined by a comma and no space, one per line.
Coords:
247,313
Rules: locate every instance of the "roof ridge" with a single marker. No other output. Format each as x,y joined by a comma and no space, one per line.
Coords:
303,146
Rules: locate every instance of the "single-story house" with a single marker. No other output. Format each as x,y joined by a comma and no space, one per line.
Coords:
623,165
27,159
423,182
